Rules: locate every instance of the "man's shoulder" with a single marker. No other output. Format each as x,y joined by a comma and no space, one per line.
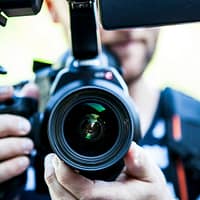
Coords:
187,145
182,104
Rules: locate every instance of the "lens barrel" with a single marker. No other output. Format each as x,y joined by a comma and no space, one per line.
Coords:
91,127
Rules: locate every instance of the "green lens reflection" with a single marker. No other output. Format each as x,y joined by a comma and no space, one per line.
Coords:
98,107
91,127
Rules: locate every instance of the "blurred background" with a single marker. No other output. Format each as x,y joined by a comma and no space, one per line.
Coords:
176,62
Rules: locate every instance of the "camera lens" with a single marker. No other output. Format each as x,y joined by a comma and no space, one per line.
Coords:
91,125
91,128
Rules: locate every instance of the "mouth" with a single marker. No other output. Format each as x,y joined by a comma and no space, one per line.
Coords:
125,43
122,44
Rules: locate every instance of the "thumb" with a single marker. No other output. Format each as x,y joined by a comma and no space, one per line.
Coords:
6,92
30,90
140,166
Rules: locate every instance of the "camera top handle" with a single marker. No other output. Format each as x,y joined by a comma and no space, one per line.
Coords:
84,35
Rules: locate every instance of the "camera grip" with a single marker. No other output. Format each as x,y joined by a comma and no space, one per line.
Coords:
25,107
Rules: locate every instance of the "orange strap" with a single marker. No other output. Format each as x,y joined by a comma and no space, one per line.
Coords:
177,134
176,127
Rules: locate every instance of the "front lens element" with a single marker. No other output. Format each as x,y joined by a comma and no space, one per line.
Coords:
91,129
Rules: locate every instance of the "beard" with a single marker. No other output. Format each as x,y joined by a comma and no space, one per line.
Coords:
130,69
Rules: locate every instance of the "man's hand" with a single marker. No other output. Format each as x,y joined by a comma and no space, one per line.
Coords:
141,179
14,148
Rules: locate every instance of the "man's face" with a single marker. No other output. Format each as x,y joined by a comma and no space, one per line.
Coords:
133,47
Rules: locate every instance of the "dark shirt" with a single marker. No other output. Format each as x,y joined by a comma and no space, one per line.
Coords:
156,143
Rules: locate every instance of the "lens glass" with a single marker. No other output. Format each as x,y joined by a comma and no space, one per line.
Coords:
91,129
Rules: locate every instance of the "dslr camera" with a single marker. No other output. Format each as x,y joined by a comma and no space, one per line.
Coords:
89,120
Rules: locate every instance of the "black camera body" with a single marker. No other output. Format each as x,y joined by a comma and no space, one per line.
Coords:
91,119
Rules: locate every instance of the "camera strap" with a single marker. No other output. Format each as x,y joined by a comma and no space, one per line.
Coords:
181,176
182,115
